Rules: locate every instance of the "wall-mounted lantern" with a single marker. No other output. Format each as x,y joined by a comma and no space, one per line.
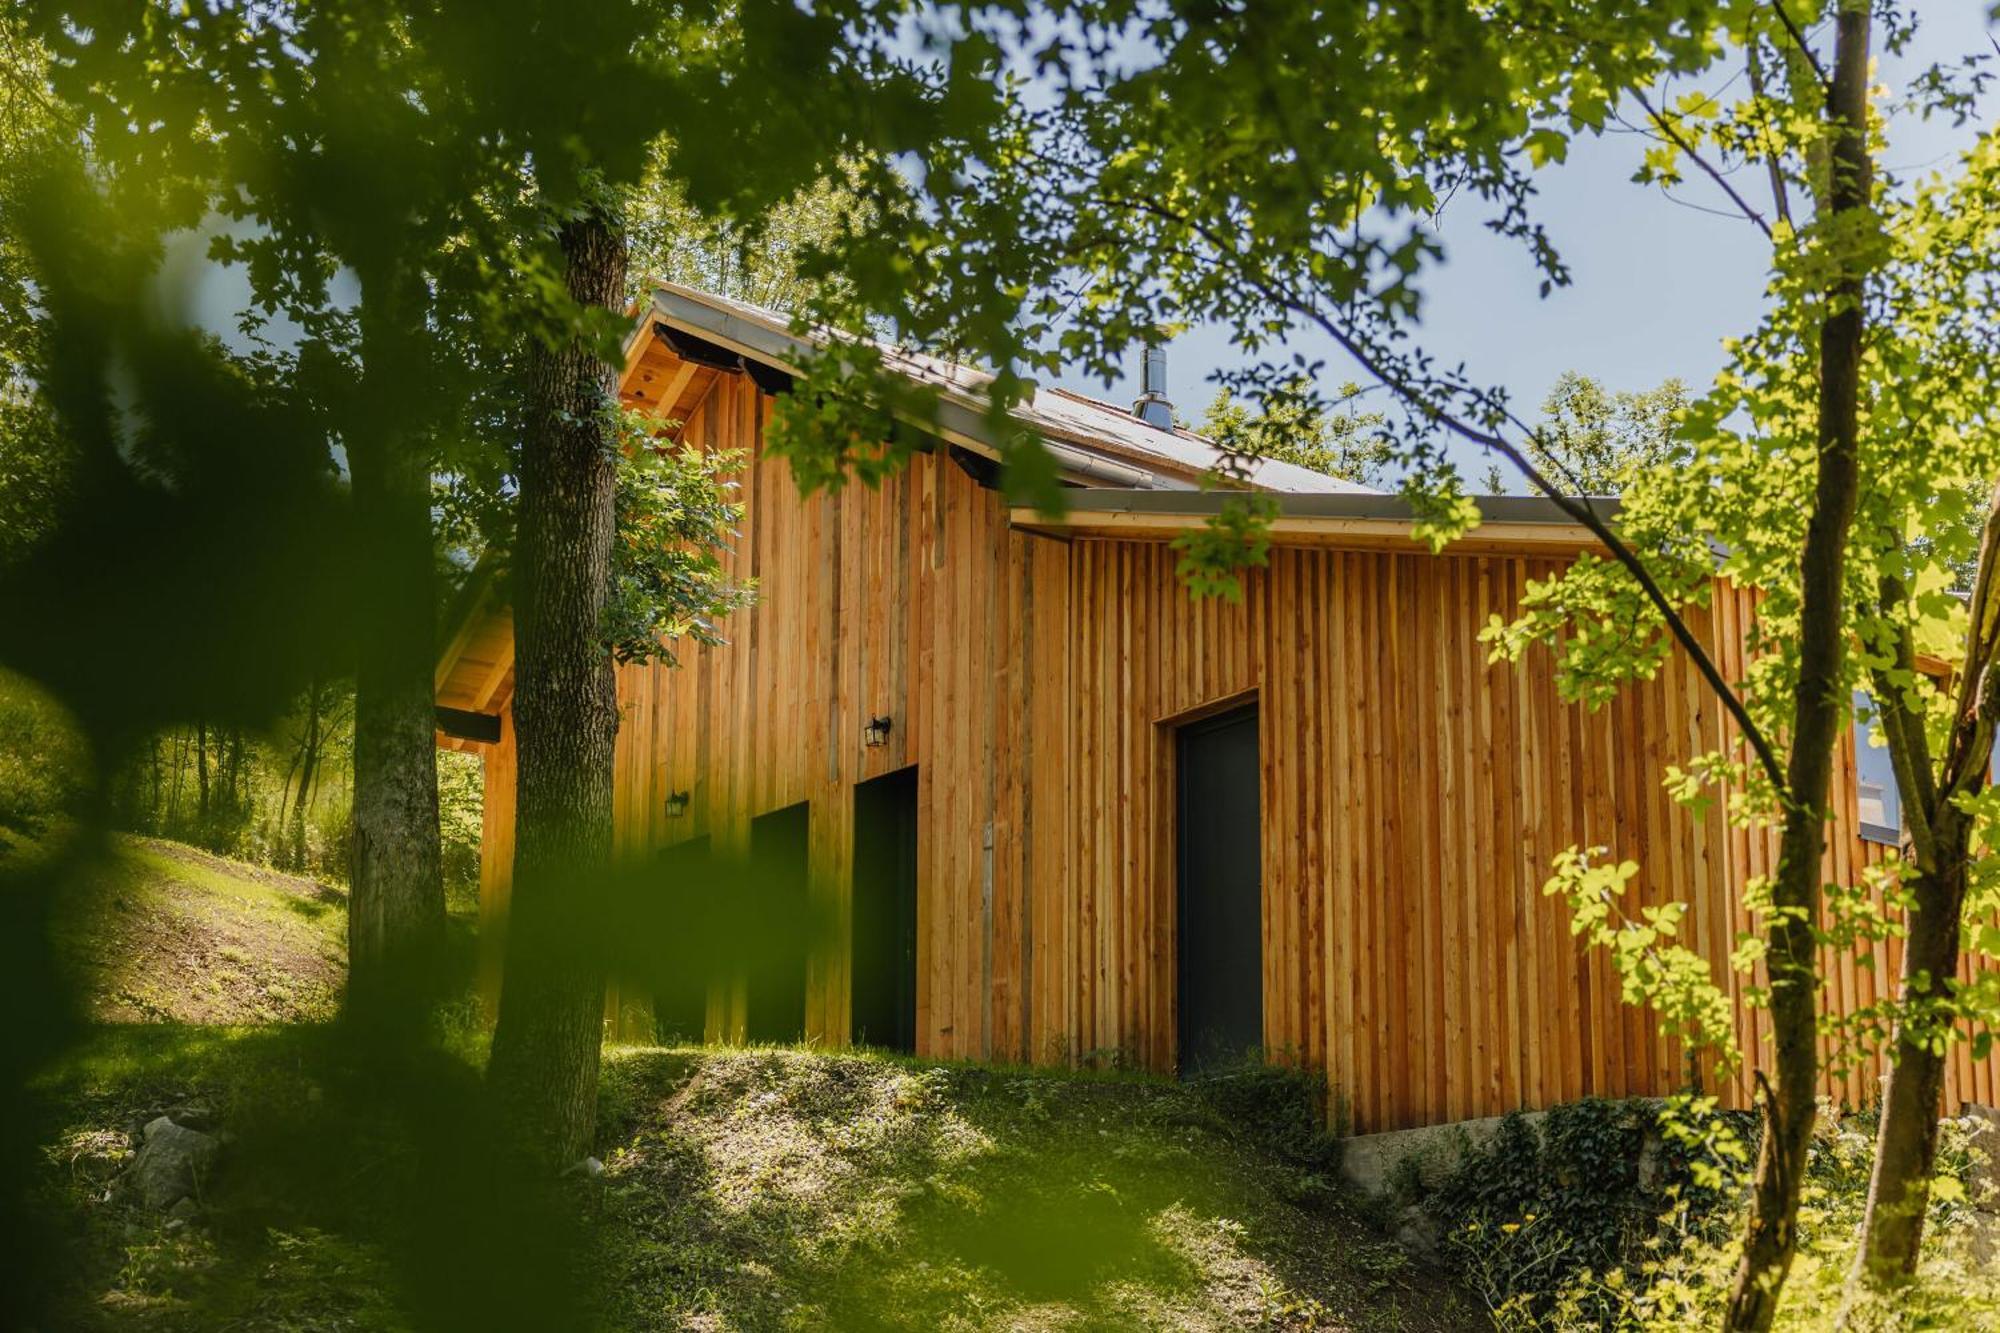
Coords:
677,804
876,733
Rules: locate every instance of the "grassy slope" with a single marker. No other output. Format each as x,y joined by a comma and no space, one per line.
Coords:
763,1189
783,1188
167,933
743,1190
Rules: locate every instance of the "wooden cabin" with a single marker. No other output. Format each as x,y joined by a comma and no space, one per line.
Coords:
1097,820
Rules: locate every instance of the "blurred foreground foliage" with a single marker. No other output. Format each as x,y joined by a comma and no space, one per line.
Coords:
184,550
386,176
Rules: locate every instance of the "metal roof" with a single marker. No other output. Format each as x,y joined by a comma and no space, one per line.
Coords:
1100,442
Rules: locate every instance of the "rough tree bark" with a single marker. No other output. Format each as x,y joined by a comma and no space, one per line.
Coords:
235,770
1936,864
1770,1240
550,1026
308,769
395,924
173,822
1788,1102
201,774
1892,1230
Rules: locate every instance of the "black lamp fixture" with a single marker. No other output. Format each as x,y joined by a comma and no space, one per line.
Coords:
876,733
677,804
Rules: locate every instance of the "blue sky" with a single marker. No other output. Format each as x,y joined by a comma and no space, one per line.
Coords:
1657,285
1658,282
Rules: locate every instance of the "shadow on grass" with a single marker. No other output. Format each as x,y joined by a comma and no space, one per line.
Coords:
357,1187
321,900
745,1189
772,1188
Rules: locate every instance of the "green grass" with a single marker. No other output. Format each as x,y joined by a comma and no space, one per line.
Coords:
160,932
758,1189
744,1189
770,1189
257,1260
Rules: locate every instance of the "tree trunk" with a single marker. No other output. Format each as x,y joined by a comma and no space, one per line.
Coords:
1892,1231
201,776
308,767
153,812
233,802
1935,873
395,924
285,788
550,1026
1771,1236
173,820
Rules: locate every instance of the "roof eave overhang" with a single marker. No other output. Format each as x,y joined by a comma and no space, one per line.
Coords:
1509,525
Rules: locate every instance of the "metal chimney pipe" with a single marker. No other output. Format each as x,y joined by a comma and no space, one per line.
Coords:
1153,406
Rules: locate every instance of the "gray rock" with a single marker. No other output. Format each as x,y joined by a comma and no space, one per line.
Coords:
589,1168
1984,1240
195,1115
1417,1231
1652,1160
1982,1178
171,1165
187,1210
1371,1162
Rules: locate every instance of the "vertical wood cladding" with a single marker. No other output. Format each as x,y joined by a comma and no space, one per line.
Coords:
1413,796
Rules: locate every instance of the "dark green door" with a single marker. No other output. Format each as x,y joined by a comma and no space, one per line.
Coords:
776,993
680,985
1220,926
884,970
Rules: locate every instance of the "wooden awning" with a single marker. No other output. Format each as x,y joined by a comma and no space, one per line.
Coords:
475,673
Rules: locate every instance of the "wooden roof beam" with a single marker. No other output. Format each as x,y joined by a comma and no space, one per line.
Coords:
467,725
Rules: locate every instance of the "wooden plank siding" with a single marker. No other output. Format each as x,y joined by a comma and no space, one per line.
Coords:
1413,796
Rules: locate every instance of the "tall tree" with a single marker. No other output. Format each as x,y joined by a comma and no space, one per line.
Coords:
1934,439
396,906
1338,441
1939,796
351,157
1907,389
1818,699
546,1042
1591,439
